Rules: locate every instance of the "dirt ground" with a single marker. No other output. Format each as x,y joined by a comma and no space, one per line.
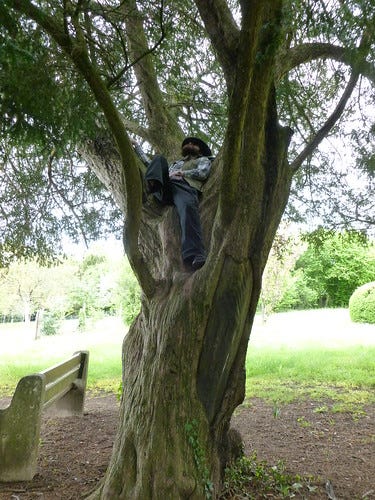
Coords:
333,447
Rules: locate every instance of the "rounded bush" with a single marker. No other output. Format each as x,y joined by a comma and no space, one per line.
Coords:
362,304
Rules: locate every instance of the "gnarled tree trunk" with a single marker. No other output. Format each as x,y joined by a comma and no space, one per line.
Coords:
183,358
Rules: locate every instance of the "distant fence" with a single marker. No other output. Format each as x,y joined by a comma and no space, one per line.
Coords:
60,389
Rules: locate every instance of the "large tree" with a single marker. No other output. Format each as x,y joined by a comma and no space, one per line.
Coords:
160,70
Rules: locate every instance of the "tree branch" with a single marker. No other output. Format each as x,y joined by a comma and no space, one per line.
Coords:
48,23
334,117
130,177
147,52
164,131
223,32
307,52
65,199
324,130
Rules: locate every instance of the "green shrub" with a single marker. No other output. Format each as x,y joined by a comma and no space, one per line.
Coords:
129,294
298,295
51,323
132,302
362,304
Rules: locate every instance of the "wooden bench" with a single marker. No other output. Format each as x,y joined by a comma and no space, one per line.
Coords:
60,389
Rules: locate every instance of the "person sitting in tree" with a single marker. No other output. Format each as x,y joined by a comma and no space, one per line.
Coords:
180,184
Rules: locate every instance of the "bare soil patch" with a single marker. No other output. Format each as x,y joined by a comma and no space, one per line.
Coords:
334,447
75,451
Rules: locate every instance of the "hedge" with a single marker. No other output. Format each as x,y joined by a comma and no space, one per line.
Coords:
362,304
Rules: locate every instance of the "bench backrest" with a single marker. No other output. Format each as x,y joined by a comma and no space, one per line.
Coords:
65,385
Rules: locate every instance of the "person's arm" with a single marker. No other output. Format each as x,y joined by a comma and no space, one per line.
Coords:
175,170
202,171
141,154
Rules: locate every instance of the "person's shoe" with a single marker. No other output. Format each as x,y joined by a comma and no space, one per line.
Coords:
152,186
198,262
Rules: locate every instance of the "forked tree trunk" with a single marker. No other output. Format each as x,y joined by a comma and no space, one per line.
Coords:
183,376
183,358
167,445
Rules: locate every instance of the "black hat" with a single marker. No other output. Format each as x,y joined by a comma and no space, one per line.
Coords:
205,150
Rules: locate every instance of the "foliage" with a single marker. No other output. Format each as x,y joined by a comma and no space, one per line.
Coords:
191,429
331,268
336,184
298,294
45,190
277,281
44,198
93,288
48,110
128,294
248,477
51,323
85,289
26,286
362,304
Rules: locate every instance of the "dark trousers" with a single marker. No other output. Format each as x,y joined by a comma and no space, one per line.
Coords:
185,198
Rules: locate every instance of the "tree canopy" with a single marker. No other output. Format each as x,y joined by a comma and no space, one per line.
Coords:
48,110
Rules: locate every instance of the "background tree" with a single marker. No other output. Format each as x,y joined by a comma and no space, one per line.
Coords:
297,295
128,294
277,274
266,66
335,264
25,287
86,288
91,291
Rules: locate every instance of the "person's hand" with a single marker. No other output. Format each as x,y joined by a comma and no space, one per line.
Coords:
178,174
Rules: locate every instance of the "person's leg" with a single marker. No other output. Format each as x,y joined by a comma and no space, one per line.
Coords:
185,199
157,180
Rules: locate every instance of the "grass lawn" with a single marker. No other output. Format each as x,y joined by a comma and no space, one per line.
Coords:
275,370
315,354
345,376
22,355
